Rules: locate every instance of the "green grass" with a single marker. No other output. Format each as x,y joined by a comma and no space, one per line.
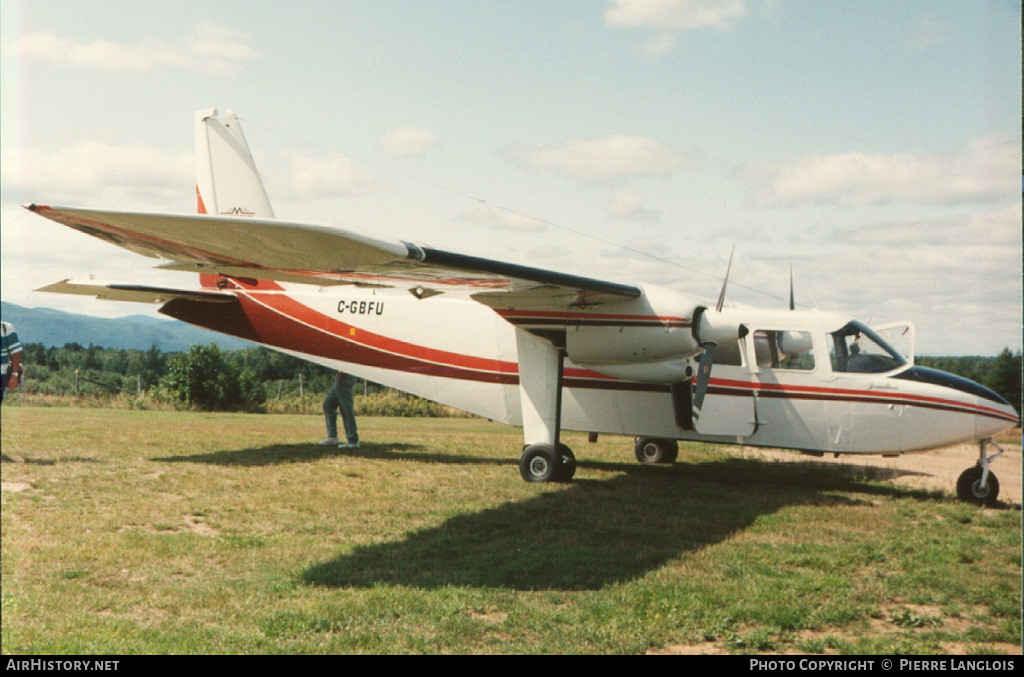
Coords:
174,532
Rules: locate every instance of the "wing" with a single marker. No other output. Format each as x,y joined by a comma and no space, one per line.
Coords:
314,254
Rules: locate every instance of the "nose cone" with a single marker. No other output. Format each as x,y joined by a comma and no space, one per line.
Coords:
994,416
992,413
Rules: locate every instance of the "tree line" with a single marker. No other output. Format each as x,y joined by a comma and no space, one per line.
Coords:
207,377
204,377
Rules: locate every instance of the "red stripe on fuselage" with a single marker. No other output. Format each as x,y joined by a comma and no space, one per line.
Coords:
786,391
314,332
280,321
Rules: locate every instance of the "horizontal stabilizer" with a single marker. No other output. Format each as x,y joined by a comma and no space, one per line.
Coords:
137,293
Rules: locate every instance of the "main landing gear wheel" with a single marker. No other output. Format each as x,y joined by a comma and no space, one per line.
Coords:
542,463
656,450
969,488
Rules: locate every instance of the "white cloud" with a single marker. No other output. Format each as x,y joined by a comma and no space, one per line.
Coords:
985,170
628,206
668,17
326,177
97,174
997,227
208,49
675,15
614,157
408,141
502,219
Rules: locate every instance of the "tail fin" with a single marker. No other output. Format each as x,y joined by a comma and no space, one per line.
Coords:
227,181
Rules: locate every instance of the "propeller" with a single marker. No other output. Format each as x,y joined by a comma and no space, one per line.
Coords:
711,329
707,358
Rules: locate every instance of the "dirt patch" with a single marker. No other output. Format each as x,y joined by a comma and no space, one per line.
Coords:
493,617
197,524
701,649
932,470
14,486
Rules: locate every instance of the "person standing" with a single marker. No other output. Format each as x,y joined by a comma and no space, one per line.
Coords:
339,397
10,358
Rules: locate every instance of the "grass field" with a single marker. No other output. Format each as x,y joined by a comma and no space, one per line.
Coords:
168,532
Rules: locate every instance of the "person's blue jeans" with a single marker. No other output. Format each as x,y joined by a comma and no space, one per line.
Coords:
339,397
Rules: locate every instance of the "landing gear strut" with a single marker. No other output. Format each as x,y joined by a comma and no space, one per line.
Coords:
978,484
541,359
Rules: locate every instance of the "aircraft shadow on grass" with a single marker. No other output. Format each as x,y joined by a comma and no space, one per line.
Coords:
275,454
595,532
588,535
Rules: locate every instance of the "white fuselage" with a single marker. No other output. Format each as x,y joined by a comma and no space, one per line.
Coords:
454,350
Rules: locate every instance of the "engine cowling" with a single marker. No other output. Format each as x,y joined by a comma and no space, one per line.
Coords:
610,345
648,330
713,326
649,340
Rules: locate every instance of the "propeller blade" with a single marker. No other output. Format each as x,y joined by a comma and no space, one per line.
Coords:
707,358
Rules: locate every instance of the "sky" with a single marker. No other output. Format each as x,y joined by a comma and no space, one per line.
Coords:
872,146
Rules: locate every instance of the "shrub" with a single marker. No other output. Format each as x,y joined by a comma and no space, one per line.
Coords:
202,378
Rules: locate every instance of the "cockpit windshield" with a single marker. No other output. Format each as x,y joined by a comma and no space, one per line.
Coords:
856,348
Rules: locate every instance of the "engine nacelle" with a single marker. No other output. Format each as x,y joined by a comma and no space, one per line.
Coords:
593,346
713,326
654,328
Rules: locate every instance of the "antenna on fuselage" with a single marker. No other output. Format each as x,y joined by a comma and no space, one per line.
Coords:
792,297
725,282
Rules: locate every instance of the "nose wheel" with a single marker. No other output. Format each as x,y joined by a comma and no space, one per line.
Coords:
978,484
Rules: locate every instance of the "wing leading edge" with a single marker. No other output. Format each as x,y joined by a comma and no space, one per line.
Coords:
318,255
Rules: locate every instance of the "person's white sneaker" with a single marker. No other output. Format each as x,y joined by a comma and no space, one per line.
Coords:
349,445
327,441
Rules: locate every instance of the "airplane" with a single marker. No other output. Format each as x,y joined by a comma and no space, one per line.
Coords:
540,349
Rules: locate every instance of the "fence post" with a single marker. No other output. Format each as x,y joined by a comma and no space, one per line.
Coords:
76,382
302,392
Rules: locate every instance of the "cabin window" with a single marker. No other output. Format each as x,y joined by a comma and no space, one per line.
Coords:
729,354
857,349
777,349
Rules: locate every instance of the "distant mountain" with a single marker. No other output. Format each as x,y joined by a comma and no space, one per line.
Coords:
137,332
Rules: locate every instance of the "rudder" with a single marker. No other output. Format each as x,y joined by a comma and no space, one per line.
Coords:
227,181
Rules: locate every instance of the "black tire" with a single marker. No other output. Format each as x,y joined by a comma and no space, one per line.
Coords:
568,463
656,450
968,487
541,463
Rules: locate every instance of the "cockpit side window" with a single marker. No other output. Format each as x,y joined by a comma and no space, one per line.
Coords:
776,349
857,349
